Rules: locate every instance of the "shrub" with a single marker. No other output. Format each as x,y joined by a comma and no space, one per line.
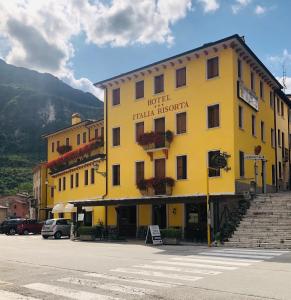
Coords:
86,230
142,184
171,233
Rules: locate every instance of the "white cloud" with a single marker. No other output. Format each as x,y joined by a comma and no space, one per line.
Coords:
287,83
284,58
210,5
260,10
39,32
239,4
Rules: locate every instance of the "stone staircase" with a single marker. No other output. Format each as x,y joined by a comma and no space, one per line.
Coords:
267,223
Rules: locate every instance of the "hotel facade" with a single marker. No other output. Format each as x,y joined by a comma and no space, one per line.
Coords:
165,124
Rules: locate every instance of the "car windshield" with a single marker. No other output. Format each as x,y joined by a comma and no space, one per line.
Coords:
49,222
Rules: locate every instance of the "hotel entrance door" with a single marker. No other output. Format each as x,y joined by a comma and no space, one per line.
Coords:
160,216
126,221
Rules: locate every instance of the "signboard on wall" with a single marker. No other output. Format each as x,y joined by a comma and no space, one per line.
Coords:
247,95
254,157
154,235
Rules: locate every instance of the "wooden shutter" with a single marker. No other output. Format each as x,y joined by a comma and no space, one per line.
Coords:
116,96
86,177
92,175
182,167
212,67
181,122
139,169
116,174
159,84
116,136
213,116
181,77
139,130
139,89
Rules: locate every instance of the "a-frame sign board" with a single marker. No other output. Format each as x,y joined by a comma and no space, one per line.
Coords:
154,235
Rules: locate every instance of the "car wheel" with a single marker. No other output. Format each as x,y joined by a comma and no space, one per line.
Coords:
45,237
26,232
58,235
12,231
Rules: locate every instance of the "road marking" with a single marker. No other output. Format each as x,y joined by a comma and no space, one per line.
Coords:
108,286
156,274
215,262
222,254
203,266
217,258
5,295
169,268
133,280
259,252
65,292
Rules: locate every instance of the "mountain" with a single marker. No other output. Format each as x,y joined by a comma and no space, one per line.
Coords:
32,104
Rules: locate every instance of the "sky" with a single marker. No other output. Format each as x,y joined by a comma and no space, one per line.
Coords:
85,41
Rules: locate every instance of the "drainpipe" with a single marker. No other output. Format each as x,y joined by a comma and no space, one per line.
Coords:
289,147
275,129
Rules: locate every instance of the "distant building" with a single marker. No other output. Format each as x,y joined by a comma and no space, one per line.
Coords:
17,206
3,213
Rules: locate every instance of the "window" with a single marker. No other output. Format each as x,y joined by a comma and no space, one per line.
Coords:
240,117
239,69
102,132
116,96
262,131
213,116
279,138
139,130
273,175
86,175
77,180
241,164
253,125
139,171
272,137
53,147
212,67
159,84
92,175
271,100
181,77
78,139
60,184
261,89
181,123
58,144
252,81
278,106
72,181
64,183
84,137
52,192
61,215
139,89
116,136
283,141
280,170
182,167
67,141
96,133
116,175
282,109
212,172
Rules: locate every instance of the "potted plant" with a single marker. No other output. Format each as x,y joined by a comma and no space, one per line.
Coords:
142,186
171,236
169,136
169,183
86,233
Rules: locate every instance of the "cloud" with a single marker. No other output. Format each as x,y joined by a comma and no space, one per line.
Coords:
284,58
209,5
239,4
260,10
287,83
39,33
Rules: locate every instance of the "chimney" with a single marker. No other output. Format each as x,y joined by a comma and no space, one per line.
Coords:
76,118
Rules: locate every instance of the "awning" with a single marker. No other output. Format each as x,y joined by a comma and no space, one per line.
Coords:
69,208
151,200
59,208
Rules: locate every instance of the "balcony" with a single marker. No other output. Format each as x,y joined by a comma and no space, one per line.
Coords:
247,95
156,141
156,186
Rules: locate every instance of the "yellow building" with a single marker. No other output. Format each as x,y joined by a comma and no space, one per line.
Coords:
166,125
74,155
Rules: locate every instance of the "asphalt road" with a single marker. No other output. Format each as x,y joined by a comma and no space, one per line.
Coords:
32,268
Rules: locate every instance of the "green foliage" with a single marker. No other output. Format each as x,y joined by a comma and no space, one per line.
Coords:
171,233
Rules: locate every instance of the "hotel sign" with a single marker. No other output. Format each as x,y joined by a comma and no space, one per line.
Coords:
254,157
160,105
247,95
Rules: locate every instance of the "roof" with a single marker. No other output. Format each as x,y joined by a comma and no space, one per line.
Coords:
3,207
203,47
284,97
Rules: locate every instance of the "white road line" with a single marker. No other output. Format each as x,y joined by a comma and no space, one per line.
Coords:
215,262
188,264
156,274
175,269
133,280
263,252
108,286
65,292
5,295
221,254
216,258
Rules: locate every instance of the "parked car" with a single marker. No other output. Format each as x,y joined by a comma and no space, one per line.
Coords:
29,226
9,227
56,228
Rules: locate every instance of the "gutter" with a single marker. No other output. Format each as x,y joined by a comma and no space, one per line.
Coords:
275,136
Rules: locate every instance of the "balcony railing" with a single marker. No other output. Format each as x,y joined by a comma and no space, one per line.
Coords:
247,95
156,186
155,140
